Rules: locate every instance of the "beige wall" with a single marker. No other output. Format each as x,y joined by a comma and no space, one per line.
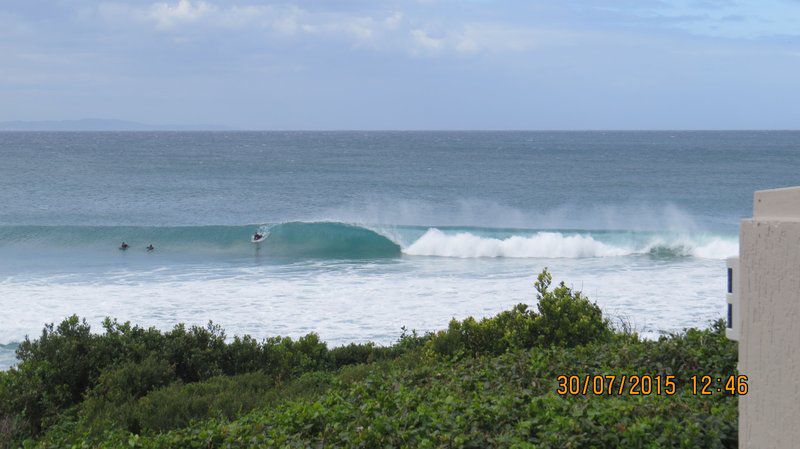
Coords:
769,321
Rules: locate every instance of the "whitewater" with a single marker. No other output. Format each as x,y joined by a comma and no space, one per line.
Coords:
558,245
371,232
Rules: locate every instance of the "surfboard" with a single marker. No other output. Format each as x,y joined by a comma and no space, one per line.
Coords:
263,237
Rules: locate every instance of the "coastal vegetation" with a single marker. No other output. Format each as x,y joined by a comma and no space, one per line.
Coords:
479,383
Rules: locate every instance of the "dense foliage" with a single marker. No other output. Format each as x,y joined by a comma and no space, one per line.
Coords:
487,383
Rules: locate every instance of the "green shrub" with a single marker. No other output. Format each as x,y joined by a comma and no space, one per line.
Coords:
53,373
108,403
498,401
353,354
132,380
179,404
68,362
706,351
197,353
409,341
508,330
284,358
12,428
243,355
566,317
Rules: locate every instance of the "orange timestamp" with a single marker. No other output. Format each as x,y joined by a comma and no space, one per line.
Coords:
643,385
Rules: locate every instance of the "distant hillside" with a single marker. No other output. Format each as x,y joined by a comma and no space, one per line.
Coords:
100,125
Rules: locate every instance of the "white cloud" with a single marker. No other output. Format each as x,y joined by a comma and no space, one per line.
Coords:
242,16
285,20
393,22
166,15
360,29
425,42
487,38
394,30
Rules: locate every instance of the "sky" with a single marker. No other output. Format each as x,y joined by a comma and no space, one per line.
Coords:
416,64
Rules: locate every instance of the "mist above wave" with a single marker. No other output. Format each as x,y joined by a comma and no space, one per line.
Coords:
630,216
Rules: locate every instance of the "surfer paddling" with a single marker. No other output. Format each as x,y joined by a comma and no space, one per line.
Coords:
123,247
150,247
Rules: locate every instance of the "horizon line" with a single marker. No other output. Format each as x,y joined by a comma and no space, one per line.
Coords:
233,129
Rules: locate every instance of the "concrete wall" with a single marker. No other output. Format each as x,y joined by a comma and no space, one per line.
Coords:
769,321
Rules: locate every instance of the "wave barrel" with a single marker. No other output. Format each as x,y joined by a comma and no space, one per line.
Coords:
328,240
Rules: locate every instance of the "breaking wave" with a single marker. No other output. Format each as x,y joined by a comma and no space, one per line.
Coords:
560,245
342,240
542,244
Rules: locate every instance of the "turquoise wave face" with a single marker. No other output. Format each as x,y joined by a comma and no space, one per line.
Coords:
329,240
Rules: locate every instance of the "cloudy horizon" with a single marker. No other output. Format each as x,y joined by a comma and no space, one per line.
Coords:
433,64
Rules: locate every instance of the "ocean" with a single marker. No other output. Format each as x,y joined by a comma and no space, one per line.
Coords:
371,231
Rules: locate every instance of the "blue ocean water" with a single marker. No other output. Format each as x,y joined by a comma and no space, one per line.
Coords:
371,231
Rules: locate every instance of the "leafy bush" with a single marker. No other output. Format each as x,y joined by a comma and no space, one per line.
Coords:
179,404
132,380
197,353
68,364
498,401
508,330
284,357
11,429
107,403
353,354
566,318
53,373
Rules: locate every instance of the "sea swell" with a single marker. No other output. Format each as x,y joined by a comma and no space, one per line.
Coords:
342,240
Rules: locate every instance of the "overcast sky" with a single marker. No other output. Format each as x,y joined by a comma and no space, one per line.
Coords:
424,64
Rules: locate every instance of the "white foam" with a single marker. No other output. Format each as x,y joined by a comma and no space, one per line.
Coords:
347,302
540,245
555,245
717,248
